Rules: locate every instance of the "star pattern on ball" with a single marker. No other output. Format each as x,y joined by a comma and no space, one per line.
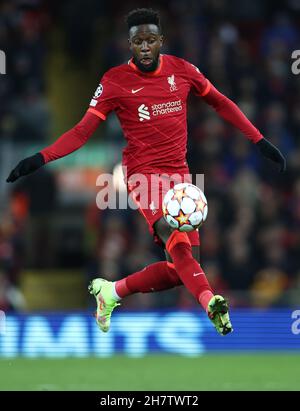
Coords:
179,194
182,218
200,205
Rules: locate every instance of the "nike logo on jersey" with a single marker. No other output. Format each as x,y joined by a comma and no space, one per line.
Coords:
135,91
196,274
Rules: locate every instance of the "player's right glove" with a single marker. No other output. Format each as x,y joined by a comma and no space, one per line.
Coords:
26,166
268,150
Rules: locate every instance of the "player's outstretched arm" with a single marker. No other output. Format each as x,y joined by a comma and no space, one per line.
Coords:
230,112
70,141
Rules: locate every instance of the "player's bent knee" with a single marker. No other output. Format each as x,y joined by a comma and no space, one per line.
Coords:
175,238
168,235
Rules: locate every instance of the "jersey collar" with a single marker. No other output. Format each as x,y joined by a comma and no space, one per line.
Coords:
151,73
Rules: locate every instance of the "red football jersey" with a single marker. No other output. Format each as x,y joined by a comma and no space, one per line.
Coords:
151,108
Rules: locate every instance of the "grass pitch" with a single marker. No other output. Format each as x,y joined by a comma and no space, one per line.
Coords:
210,372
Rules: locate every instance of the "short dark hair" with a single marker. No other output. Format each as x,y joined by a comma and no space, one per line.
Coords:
142,16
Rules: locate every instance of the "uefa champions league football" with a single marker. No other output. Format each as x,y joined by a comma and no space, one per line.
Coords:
185,207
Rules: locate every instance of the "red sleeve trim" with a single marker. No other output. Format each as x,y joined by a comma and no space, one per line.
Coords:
257,139
97,113
207,89
46,159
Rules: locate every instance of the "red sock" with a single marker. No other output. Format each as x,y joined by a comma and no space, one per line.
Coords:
188,269
155,277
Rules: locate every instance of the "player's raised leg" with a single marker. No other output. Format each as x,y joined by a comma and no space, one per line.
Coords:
179,248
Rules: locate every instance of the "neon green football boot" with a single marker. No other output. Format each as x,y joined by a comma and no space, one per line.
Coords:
218,314
103,292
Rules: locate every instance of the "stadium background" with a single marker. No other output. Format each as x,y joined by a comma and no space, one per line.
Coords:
53,239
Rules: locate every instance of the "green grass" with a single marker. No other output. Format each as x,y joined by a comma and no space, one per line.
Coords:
210,372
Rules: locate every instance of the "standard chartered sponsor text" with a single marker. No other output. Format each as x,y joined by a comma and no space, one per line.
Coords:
165,108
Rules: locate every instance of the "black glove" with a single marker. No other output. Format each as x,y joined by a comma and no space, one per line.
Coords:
268,150
26,166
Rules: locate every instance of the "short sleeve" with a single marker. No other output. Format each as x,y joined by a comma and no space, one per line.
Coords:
104,98
200,85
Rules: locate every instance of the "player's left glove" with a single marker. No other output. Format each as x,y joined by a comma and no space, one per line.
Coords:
268,150
26,166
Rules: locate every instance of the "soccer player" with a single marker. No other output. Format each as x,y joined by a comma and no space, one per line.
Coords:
149,94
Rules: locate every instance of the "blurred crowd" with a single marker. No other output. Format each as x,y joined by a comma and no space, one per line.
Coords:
24,117
251,240
24,111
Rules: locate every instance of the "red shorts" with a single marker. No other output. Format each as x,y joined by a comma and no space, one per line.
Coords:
146,193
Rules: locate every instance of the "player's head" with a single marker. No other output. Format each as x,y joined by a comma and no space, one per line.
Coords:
145,38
